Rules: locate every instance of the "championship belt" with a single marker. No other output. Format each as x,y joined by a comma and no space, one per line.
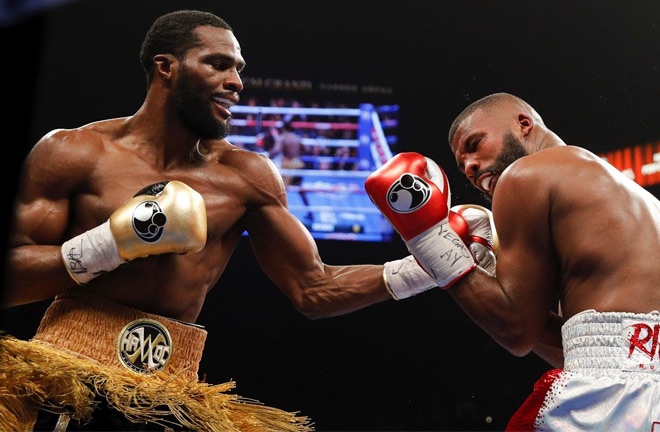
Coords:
93,327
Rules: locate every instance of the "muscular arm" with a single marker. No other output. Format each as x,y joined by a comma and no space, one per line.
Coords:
289,256
515,308
34,267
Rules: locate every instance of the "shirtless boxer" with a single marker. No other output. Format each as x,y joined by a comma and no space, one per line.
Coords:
129,222
572,231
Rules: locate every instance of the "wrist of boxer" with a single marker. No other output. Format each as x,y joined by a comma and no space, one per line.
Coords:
91,253
405,278
442,254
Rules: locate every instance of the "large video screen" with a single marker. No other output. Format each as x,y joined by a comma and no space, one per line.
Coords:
325,144
641,163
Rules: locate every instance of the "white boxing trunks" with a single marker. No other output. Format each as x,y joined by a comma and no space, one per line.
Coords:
610,380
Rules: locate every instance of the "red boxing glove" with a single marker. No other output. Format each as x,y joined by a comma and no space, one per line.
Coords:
402,191
413,194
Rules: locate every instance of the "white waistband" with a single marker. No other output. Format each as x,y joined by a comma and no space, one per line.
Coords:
622,341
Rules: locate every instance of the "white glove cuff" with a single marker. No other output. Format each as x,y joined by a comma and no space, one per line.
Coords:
442,253
91,253
405,278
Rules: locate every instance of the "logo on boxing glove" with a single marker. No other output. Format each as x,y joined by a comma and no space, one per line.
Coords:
408,193
148,221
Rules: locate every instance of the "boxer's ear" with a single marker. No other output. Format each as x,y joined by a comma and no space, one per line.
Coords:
165,64
526,124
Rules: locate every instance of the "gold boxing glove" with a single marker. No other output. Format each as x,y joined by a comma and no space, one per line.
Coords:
166,217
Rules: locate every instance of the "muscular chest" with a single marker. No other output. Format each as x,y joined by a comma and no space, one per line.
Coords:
224,194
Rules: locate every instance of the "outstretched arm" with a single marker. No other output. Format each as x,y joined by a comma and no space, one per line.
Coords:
289,256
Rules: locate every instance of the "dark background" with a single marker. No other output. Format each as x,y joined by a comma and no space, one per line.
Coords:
591,69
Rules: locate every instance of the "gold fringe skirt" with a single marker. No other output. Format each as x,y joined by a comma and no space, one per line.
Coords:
73,359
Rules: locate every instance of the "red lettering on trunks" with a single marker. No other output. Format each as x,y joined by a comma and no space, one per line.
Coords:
645,339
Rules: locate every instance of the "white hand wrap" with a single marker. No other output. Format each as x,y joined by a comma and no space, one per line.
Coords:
405,278
91,253
442,253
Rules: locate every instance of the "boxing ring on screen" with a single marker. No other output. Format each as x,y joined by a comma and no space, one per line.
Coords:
340,147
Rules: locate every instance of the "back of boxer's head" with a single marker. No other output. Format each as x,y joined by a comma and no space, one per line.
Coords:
174,33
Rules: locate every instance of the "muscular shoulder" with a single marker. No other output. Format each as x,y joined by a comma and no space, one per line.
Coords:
67,155
80,145
556,180
552,171
258,176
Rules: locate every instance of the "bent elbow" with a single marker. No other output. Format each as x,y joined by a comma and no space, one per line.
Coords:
314,305
519,350
518,344
308,307
309,312
313,315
